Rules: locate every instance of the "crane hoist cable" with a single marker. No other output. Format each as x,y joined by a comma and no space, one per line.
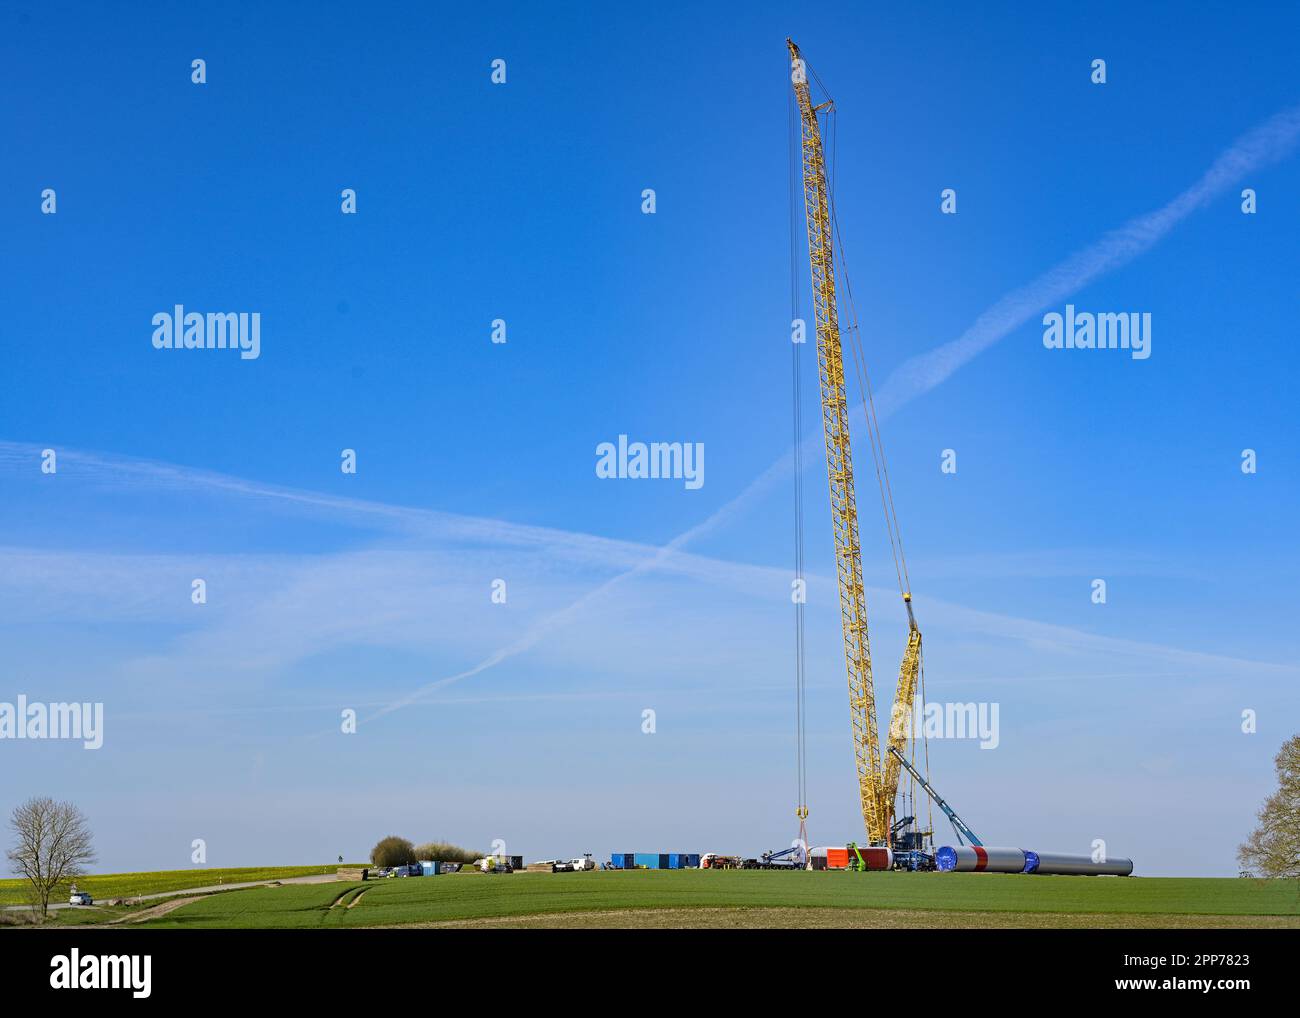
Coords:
925,742
905,695
796,371
900,720
867,398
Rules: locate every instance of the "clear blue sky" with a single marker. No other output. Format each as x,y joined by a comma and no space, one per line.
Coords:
476,461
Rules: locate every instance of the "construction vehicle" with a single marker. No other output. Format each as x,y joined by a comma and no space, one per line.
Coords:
713,861
793,858
877,783
913,846
871,857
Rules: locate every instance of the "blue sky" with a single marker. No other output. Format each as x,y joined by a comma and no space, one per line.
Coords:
476,461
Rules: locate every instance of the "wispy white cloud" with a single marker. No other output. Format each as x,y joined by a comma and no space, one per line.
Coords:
1264,144
269,613
128,474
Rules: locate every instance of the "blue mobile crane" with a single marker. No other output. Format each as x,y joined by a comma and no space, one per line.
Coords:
909,851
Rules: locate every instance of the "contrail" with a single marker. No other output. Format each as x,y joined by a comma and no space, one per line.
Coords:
1266,143
553,621
122,471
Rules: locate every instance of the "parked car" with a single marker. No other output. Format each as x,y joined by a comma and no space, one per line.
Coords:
81,898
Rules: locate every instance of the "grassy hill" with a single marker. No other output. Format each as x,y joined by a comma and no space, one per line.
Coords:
732,898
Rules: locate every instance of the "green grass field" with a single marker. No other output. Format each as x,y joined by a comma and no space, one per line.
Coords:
128,885
738,898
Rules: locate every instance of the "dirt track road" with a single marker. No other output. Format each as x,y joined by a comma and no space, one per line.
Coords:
320,878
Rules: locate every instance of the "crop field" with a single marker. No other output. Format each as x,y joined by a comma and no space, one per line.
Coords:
129,885
750,898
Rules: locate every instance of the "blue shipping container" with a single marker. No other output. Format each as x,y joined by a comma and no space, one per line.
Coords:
650,860
693,860
616,862
663,861
674,861
429,869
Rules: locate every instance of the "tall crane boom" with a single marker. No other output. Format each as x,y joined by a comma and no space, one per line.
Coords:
877,786
839,463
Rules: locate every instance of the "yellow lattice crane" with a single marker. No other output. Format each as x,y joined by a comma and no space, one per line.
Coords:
877,786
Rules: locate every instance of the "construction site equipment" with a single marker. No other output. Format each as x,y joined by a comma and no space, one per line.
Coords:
878,781
978,859
852,857
1047,863
655,860
958,824
792,858
871,857
910,844
877,785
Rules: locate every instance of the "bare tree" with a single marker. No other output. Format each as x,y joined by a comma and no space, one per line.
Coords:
53,846
1273,849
